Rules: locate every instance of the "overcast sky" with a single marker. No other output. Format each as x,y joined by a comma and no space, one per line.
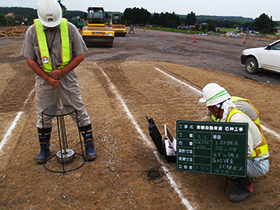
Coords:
244,8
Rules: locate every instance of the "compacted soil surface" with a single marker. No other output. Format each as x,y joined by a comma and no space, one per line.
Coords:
142,75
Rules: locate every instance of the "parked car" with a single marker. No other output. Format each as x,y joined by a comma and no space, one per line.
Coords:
266,58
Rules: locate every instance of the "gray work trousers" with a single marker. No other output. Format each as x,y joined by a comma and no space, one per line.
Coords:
69,93
257,167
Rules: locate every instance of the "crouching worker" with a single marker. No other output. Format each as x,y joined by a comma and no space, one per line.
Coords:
241,104
53,35
218,102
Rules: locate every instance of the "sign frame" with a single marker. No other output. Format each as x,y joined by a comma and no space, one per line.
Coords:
217,148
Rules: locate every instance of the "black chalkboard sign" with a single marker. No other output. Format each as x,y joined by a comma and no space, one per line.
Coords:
212,147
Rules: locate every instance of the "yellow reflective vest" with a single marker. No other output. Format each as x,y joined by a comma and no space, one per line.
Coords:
43,46
262,148
236,98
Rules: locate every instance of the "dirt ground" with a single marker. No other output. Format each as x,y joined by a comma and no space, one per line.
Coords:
121,86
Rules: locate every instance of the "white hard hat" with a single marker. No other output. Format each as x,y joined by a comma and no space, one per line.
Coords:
206,89
49,13
215,96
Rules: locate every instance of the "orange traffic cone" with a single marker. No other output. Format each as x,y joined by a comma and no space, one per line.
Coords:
160,34
194,38
244,40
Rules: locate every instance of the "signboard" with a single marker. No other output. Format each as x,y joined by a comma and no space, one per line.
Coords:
212,147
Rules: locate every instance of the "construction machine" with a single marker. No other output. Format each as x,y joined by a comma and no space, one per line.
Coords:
95,32
78,22
115,23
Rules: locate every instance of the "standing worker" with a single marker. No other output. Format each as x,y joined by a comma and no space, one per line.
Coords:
218,102
53,35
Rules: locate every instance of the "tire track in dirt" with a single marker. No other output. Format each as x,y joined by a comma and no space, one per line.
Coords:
17,88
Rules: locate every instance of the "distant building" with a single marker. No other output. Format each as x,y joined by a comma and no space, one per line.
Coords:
203,24
278,30
10,15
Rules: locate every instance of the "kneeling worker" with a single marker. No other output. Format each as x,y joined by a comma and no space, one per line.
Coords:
218,102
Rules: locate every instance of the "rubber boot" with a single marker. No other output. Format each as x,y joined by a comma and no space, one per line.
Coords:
244,190
44,140
89,142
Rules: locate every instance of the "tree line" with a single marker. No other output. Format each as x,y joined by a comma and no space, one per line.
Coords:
19,16
140,16
264,24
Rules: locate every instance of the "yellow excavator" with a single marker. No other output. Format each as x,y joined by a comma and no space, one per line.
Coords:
115,23
95,32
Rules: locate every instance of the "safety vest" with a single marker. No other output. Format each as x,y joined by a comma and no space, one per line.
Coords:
262,148
236,98
43,46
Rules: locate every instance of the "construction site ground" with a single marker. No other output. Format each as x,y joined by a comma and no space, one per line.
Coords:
144,74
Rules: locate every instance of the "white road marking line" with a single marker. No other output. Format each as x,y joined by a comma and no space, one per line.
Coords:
271,131
181,82
264,128
173,183
9,132
168,174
